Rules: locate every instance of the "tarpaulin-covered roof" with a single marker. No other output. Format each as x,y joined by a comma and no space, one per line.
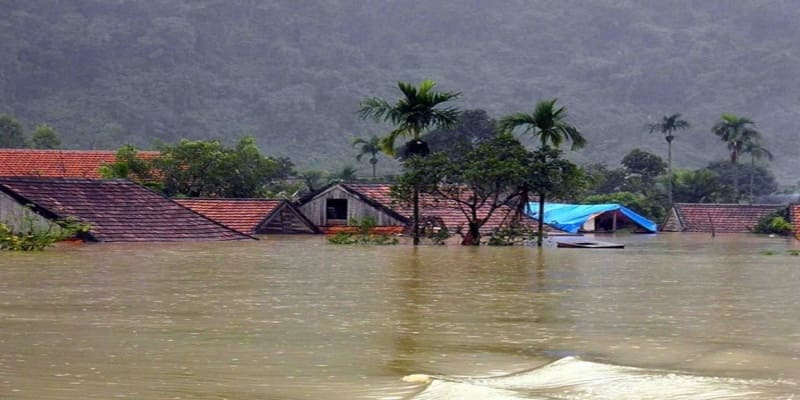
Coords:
570,217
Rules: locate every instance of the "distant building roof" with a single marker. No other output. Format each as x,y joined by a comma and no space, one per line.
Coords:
794,215
117,210
254,216
447,211
722,218
59,163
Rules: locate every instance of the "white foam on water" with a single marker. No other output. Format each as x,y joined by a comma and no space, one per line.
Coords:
572,378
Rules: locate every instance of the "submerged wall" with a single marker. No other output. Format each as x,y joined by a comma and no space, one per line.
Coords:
20,218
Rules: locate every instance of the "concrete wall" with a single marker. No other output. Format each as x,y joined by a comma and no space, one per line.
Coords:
20,218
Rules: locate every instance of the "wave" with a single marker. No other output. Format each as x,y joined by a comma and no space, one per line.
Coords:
573,378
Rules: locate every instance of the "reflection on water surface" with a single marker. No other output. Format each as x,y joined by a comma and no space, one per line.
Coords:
294,317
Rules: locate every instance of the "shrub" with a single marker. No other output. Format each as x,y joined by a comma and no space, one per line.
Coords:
775,223
511,235
36,240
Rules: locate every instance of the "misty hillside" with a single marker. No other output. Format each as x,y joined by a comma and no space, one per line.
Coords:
291,73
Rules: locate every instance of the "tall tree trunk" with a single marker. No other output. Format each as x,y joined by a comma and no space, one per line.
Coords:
752,172
415,235
522,205
473,237
373,170
669,173
735,183
540,223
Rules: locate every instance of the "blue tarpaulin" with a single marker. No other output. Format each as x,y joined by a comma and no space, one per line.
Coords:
570,217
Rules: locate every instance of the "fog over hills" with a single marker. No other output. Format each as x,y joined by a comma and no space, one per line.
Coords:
291,73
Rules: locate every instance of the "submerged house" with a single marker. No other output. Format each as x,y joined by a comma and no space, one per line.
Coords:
592,217
253,216
116,210
716,218
60,163
336,206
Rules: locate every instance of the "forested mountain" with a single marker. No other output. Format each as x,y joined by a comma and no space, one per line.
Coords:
291,73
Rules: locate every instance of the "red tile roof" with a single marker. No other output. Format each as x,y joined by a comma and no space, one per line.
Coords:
723,218
445,210
246,215
117,210
59,163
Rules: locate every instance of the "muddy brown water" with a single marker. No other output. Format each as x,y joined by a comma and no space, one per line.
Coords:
297,318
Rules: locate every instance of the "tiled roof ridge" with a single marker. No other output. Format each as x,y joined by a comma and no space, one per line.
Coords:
227,199
19,178
80,151
730,205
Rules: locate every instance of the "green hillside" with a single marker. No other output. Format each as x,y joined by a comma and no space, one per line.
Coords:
291,73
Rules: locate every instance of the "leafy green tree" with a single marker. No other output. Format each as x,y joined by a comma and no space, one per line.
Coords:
206,168
471,127
128,165
732,174
371,146
549,124
604,180
668,125
417,111
478,183
643,167
314,179
735,131
11,134
700,186
756,151
45,137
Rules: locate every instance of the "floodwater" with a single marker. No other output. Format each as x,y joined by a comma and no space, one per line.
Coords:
672,316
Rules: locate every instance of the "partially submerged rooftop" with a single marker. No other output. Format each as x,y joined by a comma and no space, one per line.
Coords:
713,217
117,210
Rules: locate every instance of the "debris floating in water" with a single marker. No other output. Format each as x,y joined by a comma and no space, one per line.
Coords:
417,378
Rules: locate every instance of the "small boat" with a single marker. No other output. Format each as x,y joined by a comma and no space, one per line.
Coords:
586,244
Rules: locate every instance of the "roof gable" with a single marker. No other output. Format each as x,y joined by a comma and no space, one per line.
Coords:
117,210
59,163
724,218
247,215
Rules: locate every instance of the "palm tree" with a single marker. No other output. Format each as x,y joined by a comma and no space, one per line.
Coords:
549,123
418,110
735,131
756,151
371,146
668,126
413,114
